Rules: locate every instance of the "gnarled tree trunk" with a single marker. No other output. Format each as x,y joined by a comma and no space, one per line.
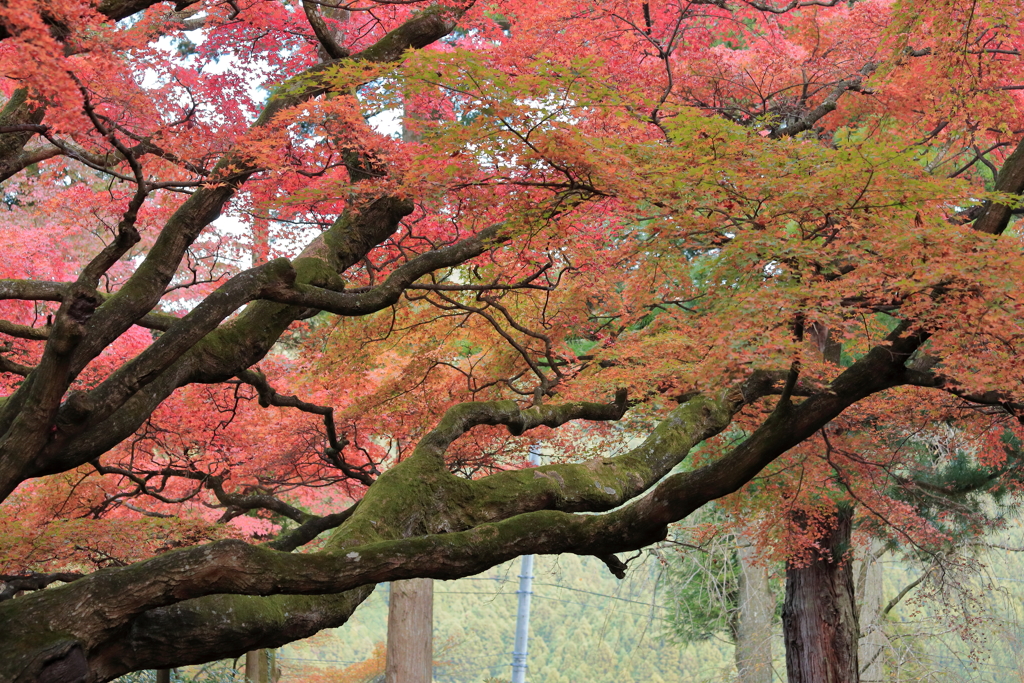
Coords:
819,618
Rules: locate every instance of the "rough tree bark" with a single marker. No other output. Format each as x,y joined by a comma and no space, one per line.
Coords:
819,617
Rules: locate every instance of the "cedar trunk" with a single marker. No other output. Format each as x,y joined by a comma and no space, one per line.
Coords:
819,618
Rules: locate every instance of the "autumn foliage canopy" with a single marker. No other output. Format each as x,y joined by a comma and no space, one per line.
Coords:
267,258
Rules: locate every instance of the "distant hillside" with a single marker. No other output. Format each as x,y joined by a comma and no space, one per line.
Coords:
585,627
588,627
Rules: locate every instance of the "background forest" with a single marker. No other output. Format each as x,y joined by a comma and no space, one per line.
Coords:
963,625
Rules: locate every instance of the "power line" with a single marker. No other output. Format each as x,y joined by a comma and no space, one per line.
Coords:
603,595
574,602
322,661
587,604
553,585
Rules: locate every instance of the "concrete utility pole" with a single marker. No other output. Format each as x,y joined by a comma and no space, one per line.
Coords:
523,614
410,652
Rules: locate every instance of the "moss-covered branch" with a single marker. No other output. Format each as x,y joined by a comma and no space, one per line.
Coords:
418,520
387,293
197,350
181,634
21,118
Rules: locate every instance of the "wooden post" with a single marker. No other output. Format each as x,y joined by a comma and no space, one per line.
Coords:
757,608
868,589
163,676
257,667
410,651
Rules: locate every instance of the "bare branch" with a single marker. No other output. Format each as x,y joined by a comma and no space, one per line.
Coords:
270,397
32,581
904,591
322,31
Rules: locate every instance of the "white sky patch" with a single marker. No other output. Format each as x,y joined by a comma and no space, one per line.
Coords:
388,122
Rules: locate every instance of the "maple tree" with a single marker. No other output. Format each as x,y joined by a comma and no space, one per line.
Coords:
676,204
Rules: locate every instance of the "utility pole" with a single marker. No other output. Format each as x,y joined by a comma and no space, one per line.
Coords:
524,593
410,652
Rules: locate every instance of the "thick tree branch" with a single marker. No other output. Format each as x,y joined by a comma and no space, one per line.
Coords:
787,7
209,356
194,349
606,483
112,9
24,331
19,121
32,290
354,558
180,634
8,365
9,166
132,376
37,290
218,355
30,412
322,31
930,379
15,583
827,106
995,217
142,291
461,418
390,291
